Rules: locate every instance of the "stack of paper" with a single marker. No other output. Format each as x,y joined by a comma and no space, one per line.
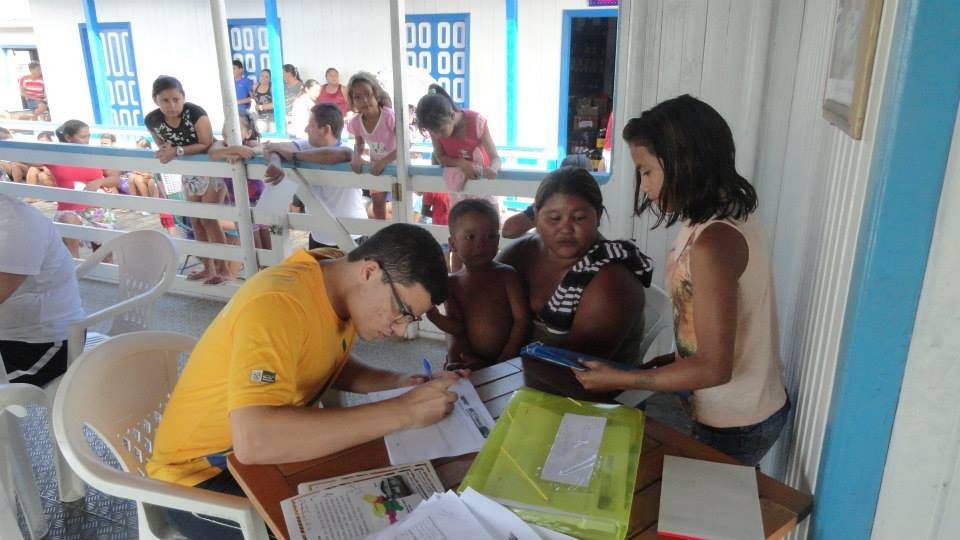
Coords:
355,505
703,499
471,516
463,431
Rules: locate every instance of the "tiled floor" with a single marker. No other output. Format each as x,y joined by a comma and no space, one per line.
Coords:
99,516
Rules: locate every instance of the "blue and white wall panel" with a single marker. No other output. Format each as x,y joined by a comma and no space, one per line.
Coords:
120,64
248,44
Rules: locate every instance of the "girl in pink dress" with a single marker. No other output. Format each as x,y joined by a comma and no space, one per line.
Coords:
461,144
461,141
373,127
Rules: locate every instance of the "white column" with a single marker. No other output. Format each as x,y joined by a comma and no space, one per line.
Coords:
231,134
402,209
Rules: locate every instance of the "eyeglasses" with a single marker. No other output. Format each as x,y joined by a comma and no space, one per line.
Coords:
406,314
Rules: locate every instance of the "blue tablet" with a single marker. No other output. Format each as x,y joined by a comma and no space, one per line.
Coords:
563,357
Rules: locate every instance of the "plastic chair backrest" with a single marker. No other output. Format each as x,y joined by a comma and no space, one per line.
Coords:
144,259
119,391
658,316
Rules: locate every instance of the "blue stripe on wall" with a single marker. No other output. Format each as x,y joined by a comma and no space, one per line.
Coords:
906,177
98,78
276,67
511,6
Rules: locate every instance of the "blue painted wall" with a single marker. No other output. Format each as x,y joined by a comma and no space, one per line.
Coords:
906,177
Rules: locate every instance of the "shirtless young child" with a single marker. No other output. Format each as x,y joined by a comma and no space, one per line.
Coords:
487,318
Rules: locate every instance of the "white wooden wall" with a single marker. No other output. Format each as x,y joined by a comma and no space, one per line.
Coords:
183,47
715,50
812,204
14,30
350,35
919,497
539,34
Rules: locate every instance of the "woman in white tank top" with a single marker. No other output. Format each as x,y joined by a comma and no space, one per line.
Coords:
718,277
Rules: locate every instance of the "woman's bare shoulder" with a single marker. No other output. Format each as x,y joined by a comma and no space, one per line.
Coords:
519,252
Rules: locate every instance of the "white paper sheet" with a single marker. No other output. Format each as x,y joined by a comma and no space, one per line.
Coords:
276,199
442,517
703,499
463,431
550,534
497,519
574,452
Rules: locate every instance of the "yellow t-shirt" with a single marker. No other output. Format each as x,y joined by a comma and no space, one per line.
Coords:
277,342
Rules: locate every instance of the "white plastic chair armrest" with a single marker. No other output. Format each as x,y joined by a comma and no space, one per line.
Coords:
14,394
14,397
92,261
158,492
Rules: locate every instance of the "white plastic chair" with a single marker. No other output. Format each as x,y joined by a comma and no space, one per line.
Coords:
16,476
658,316
118,390
147,266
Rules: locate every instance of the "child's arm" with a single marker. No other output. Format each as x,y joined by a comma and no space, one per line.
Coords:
168,151
460,356
357,162
426,206
487,141
377,167
110,179
452,322
521,315
231,154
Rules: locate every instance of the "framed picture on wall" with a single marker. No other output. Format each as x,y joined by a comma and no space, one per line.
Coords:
851,64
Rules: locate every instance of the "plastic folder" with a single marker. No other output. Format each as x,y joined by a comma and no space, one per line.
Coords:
564,464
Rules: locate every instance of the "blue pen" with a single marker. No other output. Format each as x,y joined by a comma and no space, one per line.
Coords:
427,369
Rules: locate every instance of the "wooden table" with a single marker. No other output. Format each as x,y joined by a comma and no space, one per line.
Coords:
781,506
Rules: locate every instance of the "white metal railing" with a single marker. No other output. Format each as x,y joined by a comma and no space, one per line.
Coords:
402,180
420,179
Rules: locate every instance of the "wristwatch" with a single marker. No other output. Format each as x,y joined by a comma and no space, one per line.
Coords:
295,158
179,151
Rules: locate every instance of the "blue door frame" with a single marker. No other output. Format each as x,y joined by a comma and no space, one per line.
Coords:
915,129
568,16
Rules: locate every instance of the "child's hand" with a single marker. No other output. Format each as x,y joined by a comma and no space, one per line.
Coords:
166,153
240,153
470,171
356,164
601,377
273,175
489,173
377,167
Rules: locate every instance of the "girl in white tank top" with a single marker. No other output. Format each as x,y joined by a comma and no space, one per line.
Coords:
718,277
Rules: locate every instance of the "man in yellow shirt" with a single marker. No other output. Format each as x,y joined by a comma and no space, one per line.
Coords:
283,338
